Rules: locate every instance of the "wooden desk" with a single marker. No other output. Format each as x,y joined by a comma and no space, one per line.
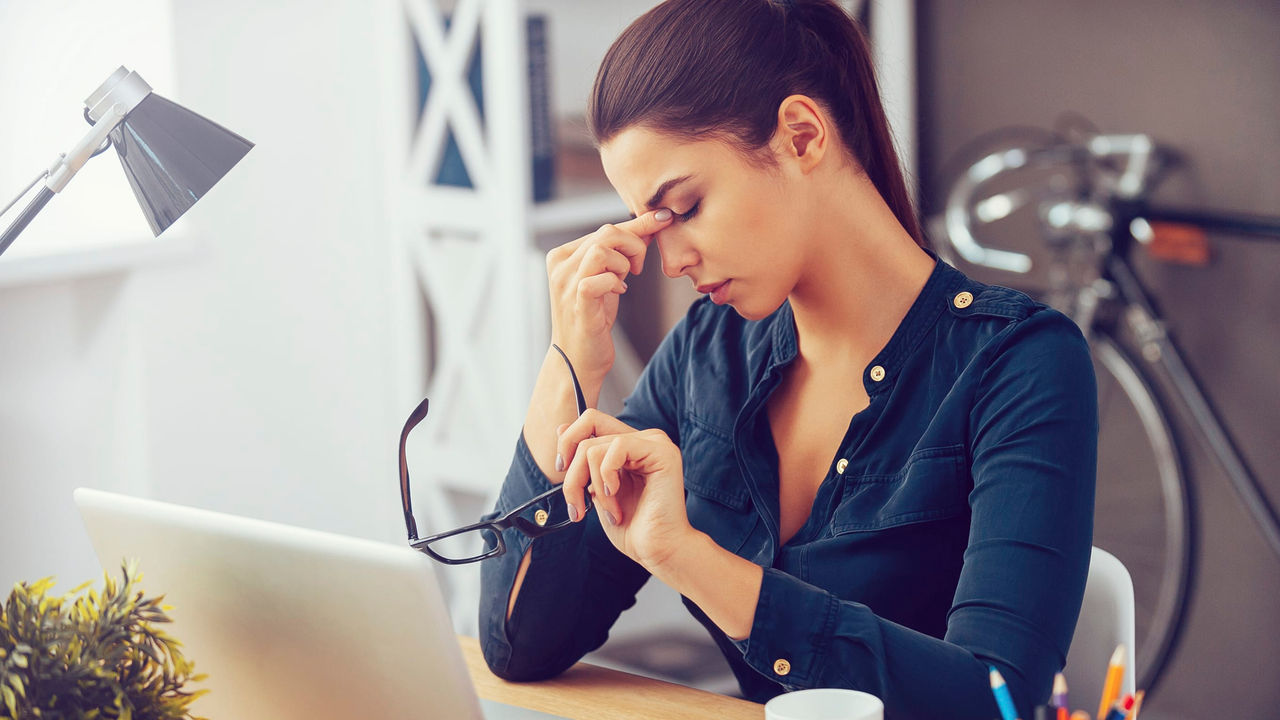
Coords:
588,692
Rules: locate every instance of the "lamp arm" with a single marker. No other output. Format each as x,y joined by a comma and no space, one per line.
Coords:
66,166
42,198
63,169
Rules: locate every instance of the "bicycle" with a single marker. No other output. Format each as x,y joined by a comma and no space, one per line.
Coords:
1085,196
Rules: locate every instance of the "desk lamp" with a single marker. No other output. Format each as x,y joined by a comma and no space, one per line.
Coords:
171,155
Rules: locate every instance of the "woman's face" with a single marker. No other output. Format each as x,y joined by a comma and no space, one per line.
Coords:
737,232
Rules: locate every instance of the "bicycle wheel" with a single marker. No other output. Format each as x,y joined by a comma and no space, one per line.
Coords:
1142,512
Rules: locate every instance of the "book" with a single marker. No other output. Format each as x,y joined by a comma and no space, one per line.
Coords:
542,138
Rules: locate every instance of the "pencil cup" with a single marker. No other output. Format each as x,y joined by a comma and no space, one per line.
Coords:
824,704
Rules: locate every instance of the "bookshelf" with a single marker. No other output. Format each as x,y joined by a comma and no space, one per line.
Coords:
469,255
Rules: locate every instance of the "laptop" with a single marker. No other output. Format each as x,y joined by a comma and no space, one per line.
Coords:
291,623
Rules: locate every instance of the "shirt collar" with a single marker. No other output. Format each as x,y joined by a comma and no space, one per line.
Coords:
920,318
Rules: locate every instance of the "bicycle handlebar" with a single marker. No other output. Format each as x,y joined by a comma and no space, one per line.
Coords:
1138,152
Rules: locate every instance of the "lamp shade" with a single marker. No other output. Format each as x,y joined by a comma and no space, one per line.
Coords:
172,157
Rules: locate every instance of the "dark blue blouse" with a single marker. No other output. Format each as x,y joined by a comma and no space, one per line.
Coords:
952,530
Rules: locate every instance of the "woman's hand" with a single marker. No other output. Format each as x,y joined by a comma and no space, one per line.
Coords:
586,278
636,481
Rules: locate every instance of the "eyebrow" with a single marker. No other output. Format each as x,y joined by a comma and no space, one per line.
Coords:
656,201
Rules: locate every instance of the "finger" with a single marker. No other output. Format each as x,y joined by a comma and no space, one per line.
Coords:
644,227
631,238
576,479
606,505
591,423
648,223
594,288
602,258
614,458
631,246
569,257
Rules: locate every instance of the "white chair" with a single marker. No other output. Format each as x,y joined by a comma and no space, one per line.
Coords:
1106,620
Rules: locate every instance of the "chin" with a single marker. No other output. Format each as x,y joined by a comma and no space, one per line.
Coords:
755,310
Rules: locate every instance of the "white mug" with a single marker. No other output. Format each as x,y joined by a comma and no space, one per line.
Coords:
824,704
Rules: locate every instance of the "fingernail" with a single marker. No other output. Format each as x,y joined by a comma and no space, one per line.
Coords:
624,286
606,489
662,215
608,516
573,514
559,462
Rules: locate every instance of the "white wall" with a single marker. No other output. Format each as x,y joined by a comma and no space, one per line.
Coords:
252,376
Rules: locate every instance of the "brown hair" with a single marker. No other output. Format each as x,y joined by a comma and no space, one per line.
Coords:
695,68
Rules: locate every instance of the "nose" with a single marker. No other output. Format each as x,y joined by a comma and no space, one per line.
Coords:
677,256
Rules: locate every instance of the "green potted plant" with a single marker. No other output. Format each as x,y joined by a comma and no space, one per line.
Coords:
90,655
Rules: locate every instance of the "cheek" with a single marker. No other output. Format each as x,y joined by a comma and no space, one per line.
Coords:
762,234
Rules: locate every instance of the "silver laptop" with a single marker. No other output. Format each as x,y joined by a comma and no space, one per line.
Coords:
292,623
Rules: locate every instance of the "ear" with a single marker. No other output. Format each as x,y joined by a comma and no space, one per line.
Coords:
803,135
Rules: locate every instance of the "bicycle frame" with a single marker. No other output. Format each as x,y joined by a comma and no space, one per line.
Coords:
1144,321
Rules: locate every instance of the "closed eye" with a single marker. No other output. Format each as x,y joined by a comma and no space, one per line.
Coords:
688,214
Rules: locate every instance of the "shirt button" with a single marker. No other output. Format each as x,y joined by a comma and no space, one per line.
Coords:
877,373
841,464
781,666
540,517
964,300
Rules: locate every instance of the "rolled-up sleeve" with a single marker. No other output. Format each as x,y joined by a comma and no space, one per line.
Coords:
577,583
1033,440
576,586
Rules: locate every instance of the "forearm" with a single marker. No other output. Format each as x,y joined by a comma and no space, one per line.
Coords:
554,404
806,637
724,585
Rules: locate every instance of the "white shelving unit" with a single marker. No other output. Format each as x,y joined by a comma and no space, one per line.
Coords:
468,259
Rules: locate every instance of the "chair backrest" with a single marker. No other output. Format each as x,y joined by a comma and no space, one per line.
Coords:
1106,620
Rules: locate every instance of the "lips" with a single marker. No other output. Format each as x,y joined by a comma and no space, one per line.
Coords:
719,292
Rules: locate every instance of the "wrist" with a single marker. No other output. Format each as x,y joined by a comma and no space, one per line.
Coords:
724,585
590,378
679,558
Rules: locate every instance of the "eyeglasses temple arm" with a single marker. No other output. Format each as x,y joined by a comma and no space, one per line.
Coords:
577,388
416,417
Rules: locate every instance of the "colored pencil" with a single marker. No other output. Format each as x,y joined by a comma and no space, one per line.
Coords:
1003,699
1111,686
1120,709
1137,705
1060,691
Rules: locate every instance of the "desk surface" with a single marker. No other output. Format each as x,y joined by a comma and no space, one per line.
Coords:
588,692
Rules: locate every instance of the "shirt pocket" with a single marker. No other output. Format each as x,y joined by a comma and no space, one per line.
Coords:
933,484
716,497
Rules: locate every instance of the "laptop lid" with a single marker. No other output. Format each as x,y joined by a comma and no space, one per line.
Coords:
290,623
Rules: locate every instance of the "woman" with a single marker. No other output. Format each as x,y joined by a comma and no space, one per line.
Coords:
859,467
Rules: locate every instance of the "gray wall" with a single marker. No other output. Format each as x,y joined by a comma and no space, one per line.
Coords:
1205,77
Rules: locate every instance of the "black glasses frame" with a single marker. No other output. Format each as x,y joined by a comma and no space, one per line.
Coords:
513,519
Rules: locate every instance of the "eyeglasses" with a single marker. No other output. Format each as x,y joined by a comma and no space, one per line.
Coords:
482,540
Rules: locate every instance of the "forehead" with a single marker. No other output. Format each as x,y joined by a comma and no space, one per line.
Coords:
638,160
